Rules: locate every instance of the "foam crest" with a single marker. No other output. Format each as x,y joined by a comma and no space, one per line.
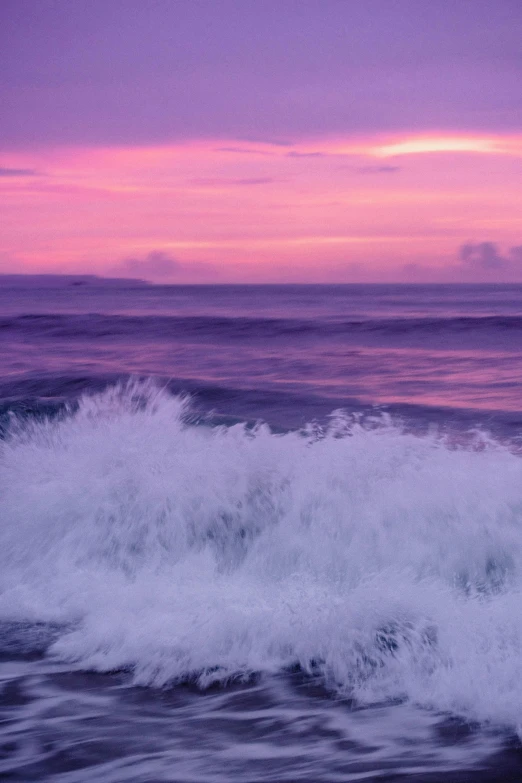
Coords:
387,563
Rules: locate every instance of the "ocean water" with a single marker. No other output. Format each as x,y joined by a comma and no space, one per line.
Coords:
260,533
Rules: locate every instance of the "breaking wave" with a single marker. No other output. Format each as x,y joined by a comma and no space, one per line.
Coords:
388,564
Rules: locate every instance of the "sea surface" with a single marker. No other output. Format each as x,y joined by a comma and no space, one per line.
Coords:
267,533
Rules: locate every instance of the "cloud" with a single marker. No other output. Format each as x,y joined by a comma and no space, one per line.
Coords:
485,257
156,264
7,172
295,154
244,151
477,262
159,266
253,181
378,169
222,181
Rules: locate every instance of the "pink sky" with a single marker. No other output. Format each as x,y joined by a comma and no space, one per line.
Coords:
374,208
240,141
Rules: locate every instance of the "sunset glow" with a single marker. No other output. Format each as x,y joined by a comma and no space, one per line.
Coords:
377,162
231,211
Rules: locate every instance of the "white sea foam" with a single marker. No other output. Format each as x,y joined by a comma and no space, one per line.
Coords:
388,563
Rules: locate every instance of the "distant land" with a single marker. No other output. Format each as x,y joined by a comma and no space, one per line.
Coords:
54,281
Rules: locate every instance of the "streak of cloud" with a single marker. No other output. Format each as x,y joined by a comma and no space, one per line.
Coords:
224,182
9,172
377,169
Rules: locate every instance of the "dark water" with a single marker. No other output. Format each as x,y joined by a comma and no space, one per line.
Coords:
285,353
187,594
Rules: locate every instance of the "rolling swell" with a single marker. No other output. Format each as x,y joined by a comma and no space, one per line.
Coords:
384,563
101,326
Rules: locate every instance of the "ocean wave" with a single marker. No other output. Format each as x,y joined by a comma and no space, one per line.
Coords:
387,564
103,326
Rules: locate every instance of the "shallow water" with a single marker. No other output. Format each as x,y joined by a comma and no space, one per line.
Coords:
80,726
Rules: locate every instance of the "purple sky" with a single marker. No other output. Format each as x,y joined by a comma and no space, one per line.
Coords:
262,141
152,71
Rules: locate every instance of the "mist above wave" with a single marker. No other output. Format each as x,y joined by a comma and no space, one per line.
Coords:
386,563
